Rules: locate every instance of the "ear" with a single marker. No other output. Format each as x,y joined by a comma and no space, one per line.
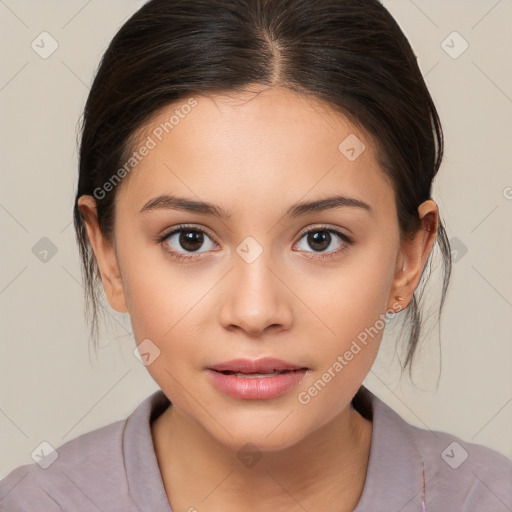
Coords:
413,256
105,254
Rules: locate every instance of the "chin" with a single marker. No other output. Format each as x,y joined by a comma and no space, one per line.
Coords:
257,437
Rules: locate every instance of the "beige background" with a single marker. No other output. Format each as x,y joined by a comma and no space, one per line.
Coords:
51,391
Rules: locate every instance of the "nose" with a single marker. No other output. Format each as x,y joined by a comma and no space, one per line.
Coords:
255,298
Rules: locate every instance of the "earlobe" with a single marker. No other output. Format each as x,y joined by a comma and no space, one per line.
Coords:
414,254
105,255
398,299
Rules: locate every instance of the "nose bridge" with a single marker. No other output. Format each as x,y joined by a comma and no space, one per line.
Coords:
255,298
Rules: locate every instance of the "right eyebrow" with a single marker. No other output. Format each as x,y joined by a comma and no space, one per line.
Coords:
171,202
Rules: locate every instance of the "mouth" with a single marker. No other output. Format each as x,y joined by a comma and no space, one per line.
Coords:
260,379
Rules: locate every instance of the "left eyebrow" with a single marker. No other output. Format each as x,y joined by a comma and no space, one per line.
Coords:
329,203
171,202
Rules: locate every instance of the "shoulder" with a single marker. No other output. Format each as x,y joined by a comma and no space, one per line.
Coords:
413,468
461,475
72,477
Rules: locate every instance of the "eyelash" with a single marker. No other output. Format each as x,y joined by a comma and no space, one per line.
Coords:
184,227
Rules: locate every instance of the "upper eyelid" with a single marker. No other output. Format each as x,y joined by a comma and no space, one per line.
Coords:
184,227
323,227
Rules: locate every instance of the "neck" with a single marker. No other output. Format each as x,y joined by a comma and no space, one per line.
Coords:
327,466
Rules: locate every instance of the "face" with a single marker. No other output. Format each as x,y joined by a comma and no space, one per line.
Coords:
264,278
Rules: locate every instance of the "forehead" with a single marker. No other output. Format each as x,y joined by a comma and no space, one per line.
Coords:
244,149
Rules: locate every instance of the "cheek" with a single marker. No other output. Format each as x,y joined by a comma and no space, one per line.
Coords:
164,308
169,305
159,302
157,293
354,296
352,306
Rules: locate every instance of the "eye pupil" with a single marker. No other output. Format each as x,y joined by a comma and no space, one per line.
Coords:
319,237
191,240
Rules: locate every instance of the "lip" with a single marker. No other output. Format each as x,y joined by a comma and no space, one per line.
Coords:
254,387
263,365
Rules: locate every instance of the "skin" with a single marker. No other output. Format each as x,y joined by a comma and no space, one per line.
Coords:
255,155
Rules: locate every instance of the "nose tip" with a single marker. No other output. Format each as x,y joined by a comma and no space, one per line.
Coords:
254,322
255,301
255,328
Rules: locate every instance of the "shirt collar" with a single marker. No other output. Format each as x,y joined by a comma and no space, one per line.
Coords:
142,472
394,479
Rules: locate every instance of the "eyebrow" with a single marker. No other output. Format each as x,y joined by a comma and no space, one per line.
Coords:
172,202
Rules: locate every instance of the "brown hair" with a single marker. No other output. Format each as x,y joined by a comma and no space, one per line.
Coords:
350,53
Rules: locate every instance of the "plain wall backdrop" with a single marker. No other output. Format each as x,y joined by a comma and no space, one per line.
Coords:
50,389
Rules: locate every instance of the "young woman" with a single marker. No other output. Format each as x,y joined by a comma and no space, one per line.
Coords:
255,191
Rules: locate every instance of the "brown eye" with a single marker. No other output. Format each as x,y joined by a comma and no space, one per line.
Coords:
191,240
320,239
186,242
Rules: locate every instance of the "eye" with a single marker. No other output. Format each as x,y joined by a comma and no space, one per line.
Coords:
184,242
322,237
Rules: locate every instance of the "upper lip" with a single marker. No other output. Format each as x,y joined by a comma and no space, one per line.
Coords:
264,365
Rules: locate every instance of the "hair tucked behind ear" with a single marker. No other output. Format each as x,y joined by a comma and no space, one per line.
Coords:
349,53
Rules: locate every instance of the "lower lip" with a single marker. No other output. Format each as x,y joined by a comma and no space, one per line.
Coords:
256,388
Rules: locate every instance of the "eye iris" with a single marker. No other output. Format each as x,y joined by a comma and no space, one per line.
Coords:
319,237
191,240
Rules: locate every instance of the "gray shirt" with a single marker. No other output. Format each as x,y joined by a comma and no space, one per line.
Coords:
114,469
